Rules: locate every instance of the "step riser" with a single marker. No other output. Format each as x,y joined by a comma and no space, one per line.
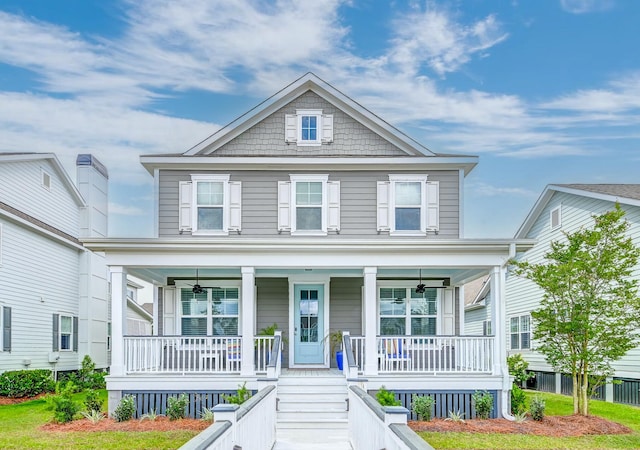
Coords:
309,391
325,406
312,426
311,415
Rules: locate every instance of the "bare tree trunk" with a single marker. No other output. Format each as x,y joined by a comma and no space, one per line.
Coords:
584,410
575,391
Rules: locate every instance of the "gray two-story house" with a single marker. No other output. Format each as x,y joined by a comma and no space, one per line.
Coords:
312,213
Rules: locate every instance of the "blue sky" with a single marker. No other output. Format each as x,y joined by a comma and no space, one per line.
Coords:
543,91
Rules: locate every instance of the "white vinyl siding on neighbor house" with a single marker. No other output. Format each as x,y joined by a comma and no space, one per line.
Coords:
213,312
520,332
308,127
408,205
210,205
402,311
309,205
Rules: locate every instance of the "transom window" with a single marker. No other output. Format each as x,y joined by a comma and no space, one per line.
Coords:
213,312
520,332
403,311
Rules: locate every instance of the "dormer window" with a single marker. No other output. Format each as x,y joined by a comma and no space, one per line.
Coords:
309,127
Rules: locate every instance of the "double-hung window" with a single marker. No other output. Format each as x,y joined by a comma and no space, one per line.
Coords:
408,205
403,311
213,312
65,333
309,205
209,205
520,332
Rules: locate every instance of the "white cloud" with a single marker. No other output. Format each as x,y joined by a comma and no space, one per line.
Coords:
585,6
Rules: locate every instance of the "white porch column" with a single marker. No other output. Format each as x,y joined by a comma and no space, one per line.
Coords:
370,319
118,318
498,319
248,319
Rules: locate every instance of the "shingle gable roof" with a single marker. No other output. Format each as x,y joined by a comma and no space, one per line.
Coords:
618,190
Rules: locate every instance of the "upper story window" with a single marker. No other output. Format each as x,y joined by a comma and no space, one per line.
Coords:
46,179
555,217
308,127
409,205
309,205
210,205
520,332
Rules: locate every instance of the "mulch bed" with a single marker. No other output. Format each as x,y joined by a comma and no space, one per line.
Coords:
13,401
161,423
555,426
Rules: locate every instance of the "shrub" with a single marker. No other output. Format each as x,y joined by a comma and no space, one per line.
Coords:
243,394
92,401
518,369
386,398
125,409
518,400
422,406
176,407
455,416
64,408
483,401
88,377
536,409
93,416
26,383
206,415
151,415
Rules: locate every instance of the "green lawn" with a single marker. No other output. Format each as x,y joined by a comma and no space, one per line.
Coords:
19,429
556,405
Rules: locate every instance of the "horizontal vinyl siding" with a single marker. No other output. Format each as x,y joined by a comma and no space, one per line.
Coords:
273,306
21,187
35,268
358,203
473,320
345,308
523,296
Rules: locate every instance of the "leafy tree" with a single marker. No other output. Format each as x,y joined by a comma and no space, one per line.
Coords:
590,308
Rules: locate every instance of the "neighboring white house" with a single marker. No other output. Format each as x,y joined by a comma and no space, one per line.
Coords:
139,320
564,208
53,291
313,213
477,307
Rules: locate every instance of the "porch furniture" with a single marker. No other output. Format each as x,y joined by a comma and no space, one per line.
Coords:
397,358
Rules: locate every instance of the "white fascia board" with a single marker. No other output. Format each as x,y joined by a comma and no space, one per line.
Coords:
139,309
195,163
547,194
35,228
320,87
53,159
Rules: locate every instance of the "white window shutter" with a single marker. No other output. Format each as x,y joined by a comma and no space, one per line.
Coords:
433,205
383,205
235,205
327,128
333,210
185,205
448,313
290,128
284,205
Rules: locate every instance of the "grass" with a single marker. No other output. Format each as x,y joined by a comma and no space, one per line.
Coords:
21,423
555,405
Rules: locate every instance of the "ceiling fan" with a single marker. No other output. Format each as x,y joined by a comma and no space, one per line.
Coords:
420,288
197,289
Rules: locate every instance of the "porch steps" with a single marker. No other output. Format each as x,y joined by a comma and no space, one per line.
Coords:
312,401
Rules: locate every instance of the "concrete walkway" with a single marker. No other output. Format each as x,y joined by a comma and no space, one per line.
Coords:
292,439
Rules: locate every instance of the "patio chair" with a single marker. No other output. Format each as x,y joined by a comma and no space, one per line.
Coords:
397,358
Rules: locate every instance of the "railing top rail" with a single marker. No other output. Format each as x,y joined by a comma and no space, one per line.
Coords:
274,353
203,440
254,401
183,337
409,437
414,336
346,344
369,401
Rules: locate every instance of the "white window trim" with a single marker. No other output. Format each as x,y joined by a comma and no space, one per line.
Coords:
323,214
43,176
188,284
407,285
422,179
317,113
224,179
557,209
520,332
60,349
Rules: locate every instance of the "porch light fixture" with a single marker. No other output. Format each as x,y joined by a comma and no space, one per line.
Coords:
420,288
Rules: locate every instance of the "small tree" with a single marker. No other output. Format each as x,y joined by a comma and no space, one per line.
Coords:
590,308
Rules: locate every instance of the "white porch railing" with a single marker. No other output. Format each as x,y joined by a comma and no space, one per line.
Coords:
262,347
372,426
183,354
357,347
468,354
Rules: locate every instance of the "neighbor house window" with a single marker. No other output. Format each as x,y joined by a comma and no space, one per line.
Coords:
46,179
5,327
403,311
66,333
486,328
555,218
210,205
309,205
108,336
308,127
520,332
215,311
408,204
